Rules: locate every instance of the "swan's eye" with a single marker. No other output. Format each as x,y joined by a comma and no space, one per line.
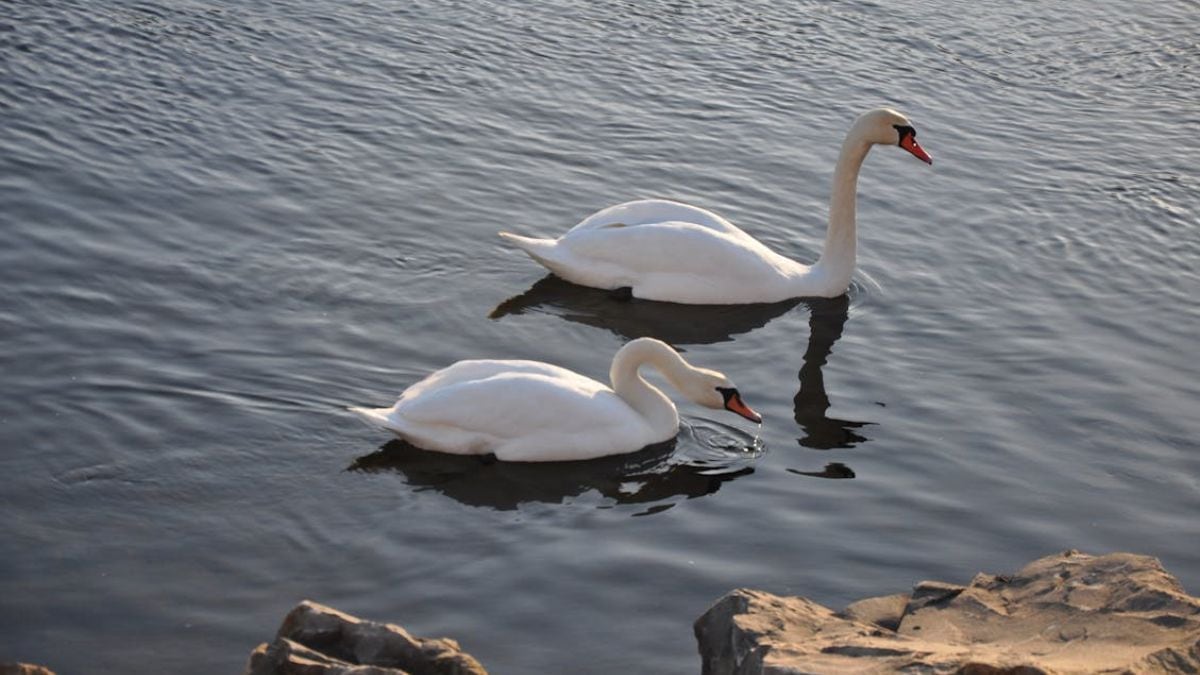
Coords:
904,130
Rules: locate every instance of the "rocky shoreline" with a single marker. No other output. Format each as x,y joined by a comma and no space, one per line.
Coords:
1066,614
1069,613
319,640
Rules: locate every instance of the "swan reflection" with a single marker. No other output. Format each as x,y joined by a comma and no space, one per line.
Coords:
632,318
832,470
694,464
811,404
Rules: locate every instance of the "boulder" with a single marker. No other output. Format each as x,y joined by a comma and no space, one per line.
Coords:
1063,614
319,640
23,669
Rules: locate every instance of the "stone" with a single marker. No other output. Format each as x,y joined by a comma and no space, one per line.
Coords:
1064,614
884,611
23,669
318,640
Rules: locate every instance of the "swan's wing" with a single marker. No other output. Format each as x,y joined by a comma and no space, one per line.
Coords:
673,248
521,411
513,405
646,211
677,262
472,370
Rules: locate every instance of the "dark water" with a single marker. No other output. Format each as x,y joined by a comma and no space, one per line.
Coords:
221,223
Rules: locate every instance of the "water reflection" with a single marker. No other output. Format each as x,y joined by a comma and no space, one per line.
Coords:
630,318
811,403
826,320
832,470
659,476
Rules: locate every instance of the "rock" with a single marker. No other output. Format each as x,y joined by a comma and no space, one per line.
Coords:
23,669
319,640
884,611
1062,614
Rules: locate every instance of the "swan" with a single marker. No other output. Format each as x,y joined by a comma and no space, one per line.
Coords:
674,252
529,411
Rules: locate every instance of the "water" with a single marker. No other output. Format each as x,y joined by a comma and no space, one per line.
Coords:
222,223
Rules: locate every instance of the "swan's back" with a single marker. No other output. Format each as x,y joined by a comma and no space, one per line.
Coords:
518,410
675,261
473,370
645,211
665,250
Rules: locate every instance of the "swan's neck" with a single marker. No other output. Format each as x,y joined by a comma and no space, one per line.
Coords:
649,402
841,239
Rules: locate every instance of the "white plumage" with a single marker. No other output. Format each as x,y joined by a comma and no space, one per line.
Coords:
665,250
533,411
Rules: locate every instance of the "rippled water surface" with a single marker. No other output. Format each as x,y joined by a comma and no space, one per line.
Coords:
221,223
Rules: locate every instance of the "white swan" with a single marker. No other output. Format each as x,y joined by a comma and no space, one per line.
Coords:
529,411
665,250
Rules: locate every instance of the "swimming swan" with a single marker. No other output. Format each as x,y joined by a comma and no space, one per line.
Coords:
665,250
529,411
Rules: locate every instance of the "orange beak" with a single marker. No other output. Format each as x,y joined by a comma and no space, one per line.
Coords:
909,143
735,404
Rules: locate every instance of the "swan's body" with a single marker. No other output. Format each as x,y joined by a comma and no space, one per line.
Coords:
665,250
532,411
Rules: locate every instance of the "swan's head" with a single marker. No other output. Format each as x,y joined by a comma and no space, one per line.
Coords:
885,126
713,390
700,385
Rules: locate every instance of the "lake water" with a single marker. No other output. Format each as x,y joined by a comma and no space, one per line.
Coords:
223,222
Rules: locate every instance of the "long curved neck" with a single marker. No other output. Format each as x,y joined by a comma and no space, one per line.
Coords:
841,239
653,405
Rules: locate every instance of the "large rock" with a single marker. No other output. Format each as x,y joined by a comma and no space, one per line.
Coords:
1063,614
23,669
319,640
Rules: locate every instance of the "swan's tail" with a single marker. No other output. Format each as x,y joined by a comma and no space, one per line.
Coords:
377,417
541,250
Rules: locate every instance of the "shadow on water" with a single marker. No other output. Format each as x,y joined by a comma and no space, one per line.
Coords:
659,475
811,403
631,318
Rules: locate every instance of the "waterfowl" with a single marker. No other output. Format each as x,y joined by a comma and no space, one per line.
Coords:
529,411
675,252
